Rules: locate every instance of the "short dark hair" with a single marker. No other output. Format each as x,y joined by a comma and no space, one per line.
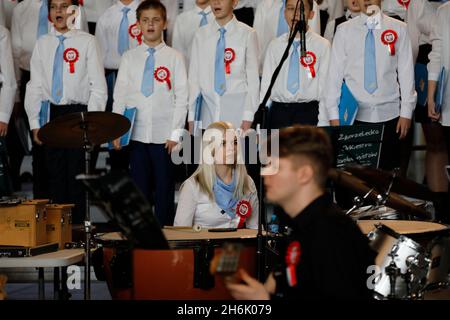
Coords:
74,3
151,4
310,142
310,3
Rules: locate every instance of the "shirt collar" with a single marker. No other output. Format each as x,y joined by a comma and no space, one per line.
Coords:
350,15
67,35
229,26
374,19
132,5
157,48
206,10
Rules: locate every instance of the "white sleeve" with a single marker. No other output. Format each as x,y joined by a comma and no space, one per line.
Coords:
33,95
121,87
16,42
268,70
97,82
194,86
181,90
323,72
252,71
329,31
187,205
406,76
434,66
252,222
177,38
8,77
100,34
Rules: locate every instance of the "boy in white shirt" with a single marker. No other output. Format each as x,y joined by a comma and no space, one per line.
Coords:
351,12
187,24
152,78
372,54
94,9
299,87
224,70
66,71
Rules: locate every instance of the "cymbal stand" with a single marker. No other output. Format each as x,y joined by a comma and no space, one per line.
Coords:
382,199
87,146
393,272
358,202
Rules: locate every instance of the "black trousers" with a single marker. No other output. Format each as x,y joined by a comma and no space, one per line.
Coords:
63,165
390,157
283,115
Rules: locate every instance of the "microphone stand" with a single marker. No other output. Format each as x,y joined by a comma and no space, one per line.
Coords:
300,26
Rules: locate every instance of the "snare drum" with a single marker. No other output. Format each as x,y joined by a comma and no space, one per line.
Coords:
377,213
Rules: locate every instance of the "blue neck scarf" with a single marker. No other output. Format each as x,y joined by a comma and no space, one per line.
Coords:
223,194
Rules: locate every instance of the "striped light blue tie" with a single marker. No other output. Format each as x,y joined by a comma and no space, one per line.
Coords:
370,63
124,40
57,78
282,24
294,70
204,20
43,19
147,80
219,76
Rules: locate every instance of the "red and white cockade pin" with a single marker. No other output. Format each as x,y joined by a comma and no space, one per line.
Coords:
404,3
71,56
293,254
309,62
230,55
244,211
389,38
135,33
162,74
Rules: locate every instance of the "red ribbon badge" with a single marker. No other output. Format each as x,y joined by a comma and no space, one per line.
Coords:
243,210
162,74
309,61
71,56
135,33
404,3
389,38
230,55
293,254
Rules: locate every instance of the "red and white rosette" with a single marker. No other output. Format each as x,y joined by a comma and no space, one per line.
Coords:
404,3
135,33
244,211
230,55
293,254
389,38
162,74
309,62
71,55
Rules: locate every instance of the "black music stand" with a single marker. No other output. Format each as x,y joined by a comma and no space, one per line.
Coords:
117,195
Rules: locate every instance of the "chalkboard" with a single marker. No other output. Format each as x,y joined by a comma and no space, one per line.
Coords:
357,144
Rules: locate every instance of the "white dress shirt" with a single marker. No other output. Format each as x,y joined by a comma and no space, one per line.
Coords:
329,30
186,25
310,88
25,21
107,32
8,7
95,8
159,116
196,208
266,24
420,18
334,8
440,56
172,9
393,8
2,16
8,84
347,63
87,85
240,101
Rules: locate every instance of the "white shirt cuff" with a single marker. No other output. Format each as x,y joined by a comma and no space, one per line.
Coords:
4,117
34,124
248,116
433,76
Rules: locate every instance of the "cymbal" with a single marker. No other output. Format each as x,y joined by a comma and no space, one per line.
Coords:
67,131
394,201
381,179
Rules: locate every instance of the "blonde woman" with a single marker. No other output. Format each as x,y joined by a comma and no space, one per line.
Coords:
220,193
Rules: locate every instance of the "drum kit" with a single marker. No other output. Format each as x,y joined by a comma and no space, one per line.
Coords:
413,253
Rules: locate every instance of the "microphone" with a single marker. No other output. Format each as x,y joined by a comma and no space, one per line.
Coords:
302,30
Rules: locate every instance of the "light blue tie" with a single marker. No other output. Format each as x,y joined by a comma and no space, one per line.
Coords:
219,76
294,70
124,40
370,63
204,20
282,24
43,19
147,80
57,78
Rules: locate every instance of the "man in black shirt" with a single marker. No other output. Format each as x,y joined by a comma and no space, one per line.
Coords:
326,255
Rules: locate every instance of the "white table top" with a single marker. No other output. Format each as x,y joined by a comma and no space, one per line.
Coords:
62,258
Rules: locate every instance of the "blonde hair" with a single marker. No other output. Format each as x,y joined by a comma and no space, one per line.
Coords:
206,176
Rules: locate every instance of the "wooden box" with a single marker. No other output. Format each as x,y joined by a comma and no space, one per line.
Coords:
59,223
24,224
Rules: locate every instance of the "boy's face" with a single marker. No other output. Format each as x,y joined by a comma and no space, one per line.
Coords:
152,24
353,6
223,8
364,4
58,13
290,14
